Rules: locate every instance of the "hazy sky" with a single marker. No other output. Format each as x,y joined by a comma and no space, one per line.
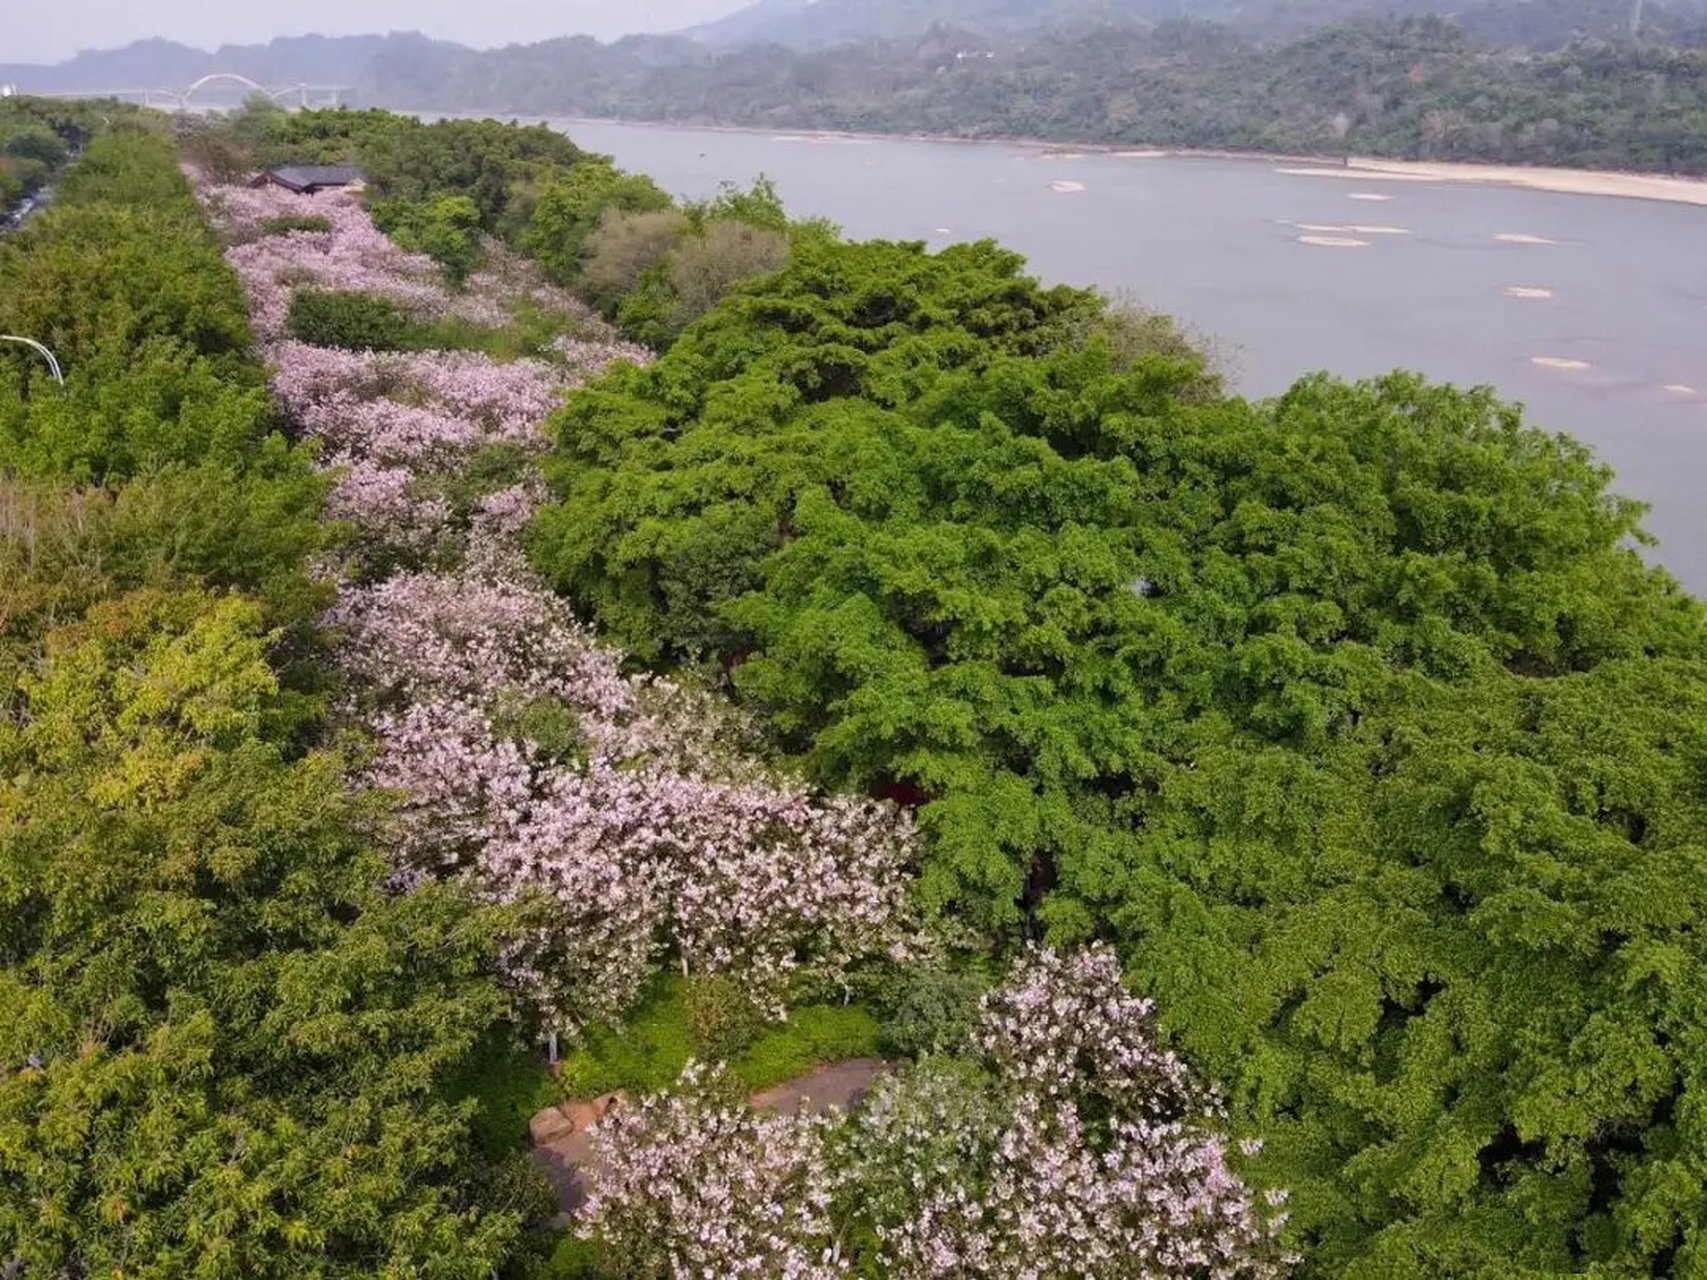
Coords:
49,30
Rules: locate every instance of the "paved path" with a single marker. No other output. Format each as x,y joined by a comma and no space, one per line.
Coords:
562,1142
841,1085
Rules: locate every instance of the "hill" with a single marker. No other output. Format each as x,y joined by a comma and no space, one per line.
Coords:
1532,24
166,64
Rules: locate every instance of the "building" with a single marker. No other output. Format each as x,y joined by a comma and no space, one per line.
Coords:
307,179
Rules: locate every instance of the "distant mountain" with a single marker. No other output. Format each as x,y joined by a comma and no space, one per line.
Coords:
164,64
809,24
146,64
1534,24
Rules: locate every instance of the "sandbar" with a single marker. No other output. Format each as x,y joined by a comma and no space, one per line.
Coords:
1526,291
1579,182
1334,242
1356,229
1066,187
1561,363
1522,237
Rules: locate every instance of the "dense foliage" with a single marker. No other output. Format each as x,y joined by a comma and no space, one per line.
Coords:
37,137
457,190
225,1050
226,1047
1351,717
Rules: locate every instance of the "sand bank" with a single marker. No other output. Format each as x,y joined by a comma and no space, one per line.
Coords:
1581,182
1526,291
1354,229
1559,362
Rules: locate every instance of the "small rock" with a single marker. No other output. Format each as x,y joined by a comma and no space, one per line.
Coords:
549,1125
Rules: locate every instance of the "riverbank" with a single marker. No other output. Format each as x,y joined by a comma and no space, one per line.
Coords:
1587,182
1578,182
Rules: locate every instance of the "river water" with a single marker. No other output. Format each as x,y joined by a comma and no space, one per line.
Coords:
1590,310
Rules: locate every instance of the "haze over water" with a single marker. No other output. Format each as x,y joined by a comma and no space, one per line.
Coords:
1216,242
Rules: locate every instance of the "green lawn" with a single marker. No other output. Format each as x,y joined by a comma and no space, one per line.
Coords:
648,1051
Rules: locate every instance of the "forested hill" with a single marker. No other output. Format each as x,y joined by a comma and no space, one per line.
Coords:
1417,88
1412,88
1533,24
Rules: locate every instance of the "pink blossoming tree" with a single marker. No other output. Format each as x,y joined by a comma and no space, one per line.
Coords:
1067,1144
618,814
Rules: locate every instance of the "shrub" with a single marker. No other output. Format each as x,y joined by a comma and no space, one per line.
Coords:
623,249
286,223
216,150
446,229
722,1017
35,142
706,269
934,1011
570,208
356,321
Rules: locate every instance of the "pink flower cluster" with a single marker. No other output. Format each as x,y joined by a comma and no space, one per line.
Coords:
1088,1156
353,255
692,1184
1068,1145
615,812
527,757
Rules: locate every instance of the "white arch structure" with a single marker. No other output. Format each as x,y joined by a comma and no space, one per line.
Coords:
52,360
179,99
226,77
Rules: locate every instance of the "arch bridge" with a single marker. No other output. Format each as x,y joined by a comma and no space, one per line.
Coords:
298,95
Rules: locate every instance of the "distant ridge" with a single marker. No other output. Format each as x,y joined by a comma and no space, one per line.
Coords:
1536,24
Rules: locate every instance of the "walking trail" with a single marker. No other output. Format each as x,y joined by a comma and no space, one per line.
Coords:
562,1140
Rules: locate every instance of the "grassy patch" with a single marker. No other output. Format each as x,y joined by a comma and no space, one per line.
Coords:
647,1052
289,222
358,321
813,1034
511,1085
530,333
644,1054
570,1259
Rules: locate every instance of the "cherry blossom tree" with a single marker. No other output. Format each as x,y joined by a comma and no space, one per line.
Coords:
618,814
1072,1144
695,1183
1068,1143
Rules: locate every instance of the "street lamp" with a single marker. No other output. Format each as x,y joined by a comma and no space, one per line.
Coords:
52,361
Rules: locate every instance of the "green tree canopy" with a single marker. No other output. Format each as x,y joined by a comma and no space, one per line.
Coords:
220,1041
1277,696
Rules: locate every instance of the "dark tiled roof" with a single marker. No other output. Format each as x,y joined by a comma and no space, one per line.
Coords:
317,175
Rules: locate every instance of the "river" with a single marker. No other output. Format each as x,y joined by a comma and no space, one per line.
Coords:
1590,310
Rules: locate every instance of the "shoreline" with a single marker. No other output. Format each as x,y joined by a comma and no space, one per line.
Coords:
1614,183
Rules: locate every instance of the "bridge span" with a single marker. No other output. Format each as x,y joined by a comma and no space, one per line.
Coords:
299,95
